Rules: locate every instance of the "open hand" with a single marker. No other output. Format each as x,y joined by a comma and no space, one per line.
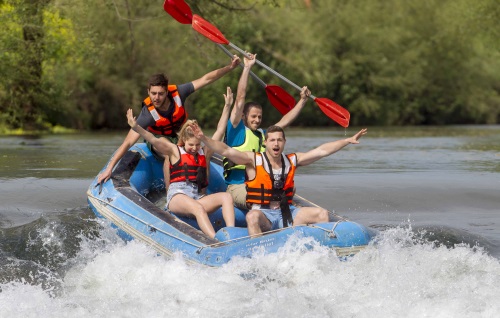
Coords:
228,97
131,119
104,176
197,132
354,139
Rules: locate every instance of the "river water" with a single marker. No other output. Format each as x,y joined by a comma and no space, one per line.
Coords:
433,193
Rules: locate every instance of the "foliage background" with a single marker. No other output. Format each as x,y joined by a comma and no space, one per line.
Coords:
81,64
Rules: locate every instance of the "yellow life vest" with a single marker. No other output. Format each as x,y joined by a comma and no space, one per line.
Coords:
253,142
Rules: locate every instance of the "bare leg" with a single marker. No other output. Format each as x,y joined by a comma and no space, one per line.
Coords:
257,222
309,215
181,204
213,201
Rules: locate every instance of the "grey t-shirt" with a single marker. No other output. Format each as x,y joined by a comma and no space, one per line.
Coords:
145,119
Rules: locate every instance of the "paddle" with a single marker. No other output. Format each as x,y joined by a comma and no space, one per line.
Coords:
180,11
327,106
278,97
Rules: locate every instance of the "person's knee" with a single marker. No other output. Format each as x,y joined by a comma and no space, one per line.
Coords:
227,198
198,210
322,215
252,217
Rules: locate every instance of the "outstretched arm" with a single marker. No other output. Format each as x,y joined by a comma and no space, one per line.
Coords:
238,157
292,114
128,142
163,145
216,74
327,149
221,126
242,90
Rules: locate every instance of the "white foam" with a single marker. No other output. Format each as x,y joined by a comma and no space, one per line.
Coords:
399,276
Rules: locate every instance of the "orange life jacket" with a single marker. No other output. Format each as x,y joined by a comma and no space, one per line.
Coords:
261,189
167,126
190,168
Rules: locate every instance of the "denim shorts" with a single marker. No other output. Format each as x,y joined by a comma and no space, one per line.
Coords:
189,189
274,215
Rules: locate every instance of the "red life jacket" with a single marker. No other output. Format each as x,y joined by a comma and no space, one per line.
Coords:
260,190
167,126
190,168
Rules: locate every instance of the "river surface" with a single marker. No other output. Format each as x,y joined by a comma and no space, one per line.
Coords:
433,193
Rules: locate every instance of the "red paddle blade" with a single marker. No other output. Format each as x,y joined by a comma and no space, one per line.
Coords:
333,110
208,30
179,10
280,99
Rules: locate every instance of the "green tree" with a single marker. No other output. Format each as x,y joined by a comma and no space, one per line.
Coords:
389,62
22,62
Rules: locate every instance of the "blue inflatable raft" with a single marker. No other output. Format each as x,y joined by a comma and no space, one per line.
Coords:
133,201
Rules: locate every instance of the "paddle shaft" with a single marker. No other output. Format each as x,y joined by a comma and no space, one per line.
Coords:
277,96
297,87
328,107
182,13
255,77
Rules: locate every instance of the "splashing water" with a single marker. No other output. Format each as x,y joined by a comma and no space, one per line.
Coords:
401,274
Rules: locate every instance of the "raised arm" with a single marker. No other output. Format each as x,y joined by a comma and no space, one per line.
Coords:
221,126
216,74
241,91
292,114
306,158
163,145
238,157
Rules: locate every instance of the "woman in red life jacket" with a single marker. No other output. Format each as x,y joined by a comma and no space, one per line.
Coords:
189,177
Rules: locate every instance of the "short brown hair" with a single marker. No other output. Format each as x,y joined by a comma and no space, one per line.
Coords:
158,80
248,105
274,128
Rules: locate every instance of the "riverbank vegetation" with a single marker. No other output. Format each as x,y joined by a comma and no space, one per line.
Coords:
81,64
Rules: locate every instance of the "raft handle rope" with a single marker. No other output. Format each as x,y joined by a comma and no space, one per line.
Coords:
331,234
237,239
332,231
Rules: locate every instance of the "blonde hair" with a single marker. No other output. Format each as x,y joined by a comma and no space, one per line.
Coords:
186,132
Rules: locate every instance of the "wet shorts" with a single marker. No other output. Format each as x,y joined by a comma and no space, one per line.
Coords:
189,189
274,215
